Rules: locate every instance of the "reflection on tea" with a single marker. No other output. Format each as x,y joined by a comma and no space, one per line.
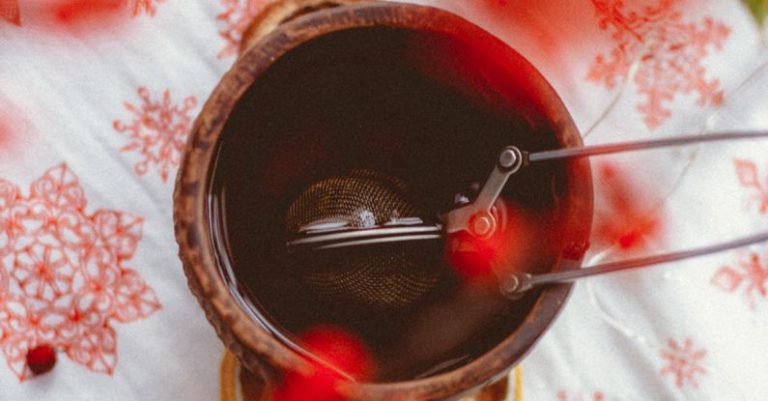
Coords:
366,127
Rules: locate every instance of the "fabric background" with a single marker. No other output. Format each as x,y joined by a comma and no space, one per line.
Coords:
96,99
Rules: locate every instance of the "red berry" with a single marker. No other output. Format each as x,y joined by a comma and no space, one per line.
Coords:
41,359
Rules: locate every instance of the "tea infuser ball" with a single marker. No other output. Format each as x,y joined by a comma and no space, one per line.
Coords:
383,277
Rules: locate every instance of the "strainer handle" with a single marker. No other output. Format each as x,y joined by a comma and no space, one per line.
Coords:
598,150
517,283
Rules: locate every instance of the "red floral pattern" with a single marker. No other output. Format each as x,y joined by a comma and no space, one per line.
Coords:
63,279
683,362
562,395
748,175
237,15
750,276
147,6
669,50
158,131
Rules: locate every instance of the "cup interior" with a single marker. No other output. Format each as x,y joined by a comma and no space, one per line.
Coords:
420,113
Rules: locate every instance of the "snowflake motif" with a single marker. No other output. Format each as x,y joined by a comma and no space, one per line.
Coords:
9,11
63,281
148,6
683,362
563,396
237,15
746,171
158,131
669,51
750,274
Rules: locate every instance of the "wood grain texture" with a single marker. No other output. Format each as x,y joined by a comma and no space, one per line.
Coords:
259,351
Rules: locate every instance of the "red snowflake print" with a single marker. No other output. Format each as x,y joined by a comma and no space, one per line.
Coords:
626,220
149,7
596,396
237,15
746,170
63,279
9,11
683,362
669,51
158,131
750,275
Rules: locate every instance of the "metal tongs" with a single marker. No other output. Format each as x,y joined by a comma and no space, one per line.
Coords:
477,218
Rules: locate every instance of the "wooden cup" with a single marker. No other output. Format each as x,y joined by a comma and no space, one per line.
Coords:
279,31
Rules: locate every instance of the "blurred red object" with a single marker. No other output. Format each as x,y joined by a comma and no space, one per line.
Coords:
627,219
339,348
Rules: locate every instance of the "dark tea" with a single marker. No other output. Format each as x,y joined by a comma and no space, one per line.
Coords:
368,126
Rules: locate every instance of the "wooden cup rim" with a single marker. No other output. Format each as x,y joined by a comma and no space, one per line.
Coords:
256,348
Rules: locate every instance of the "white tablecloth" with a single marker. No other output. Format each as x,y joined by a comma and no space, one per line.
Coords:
96,99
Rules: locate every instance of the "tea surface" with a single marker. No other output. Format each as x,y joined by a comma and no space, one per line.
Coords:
397,111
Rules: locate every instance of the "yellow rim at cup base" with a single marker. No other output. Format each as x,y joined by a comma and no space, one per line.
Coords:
231,390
